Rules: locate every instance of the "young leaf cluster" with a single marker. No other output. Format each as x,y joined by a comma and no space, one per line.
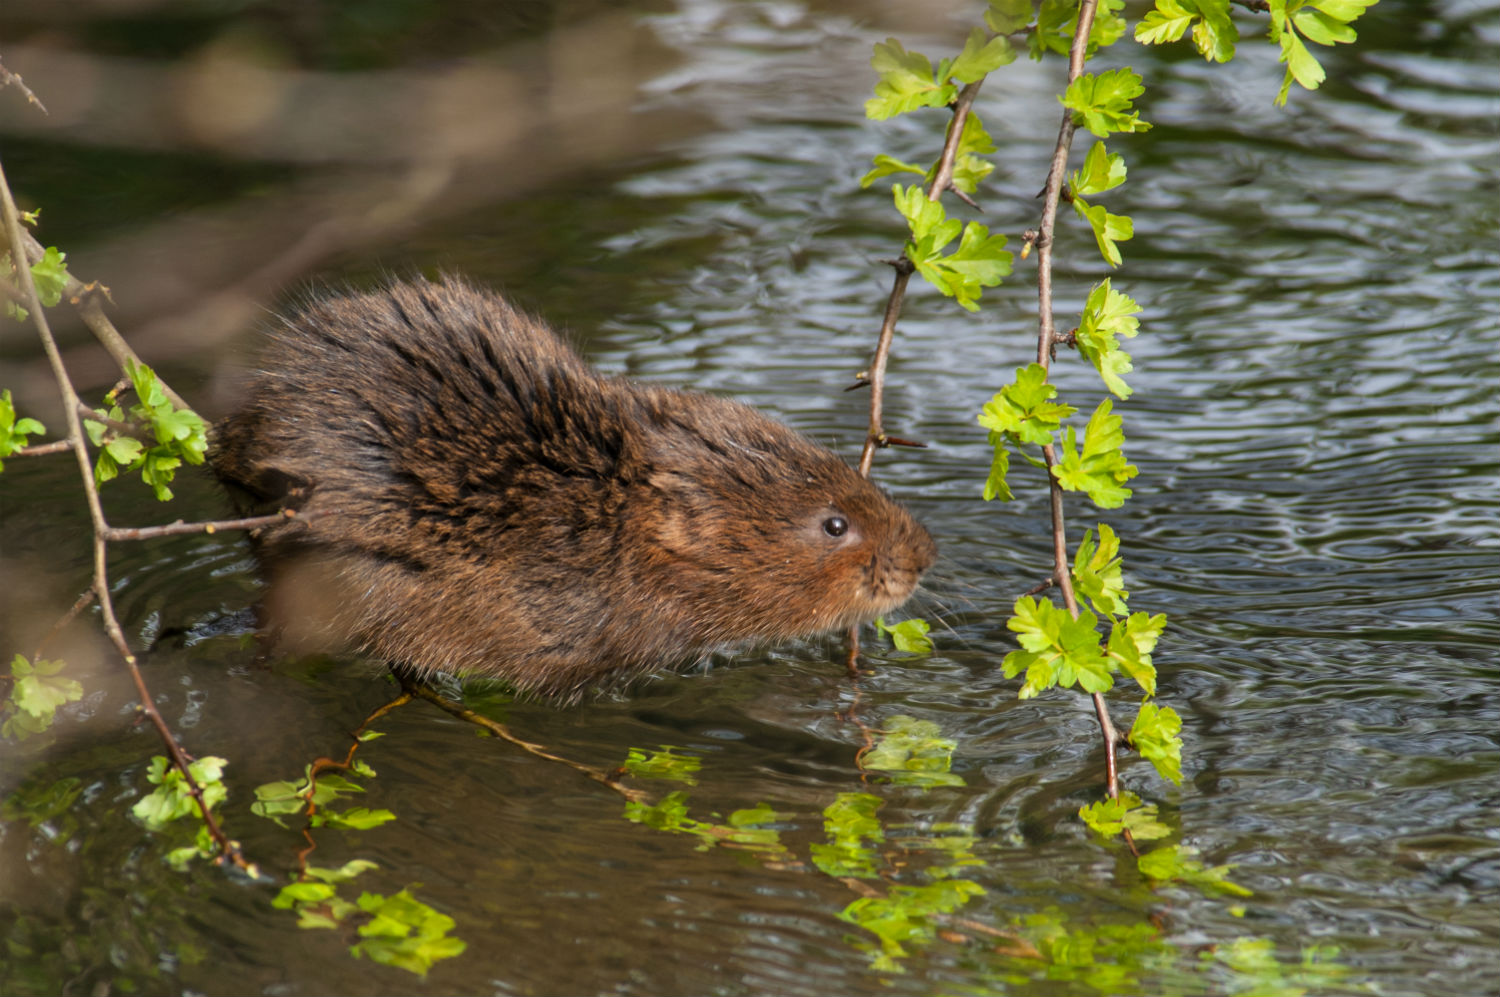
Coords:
980,260
179,435
1059,649
908,82
1023,414
1056,22
13,431
274,800
171,800
36,692
1293,23
908,635
399,930
49,274
1104,105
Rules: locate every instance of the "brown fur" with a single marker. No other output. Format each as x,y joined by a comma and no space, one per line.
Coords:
488,503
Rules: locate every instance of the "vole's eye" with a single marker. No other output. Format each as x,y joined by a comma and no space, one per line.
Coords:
835,526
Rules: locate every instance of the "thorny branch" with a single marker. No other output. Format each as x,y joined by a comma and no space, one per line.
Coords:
942,180
1046,341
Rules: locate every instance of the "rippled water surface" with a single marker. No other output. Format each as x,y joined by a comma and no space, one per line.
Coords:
1316,421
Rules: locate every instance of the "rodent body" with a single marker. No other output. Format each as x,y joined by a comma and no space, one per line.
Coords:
475,498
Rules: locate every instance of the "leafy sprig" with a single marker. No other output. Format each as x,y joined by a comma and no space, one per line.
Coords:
180,435
37,692
13,431
979,261
50,276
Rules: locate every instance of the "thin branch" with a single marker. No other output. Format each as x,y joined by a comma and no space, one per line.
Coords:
876,437
1046,341
39,449
180,527
15,236
10,79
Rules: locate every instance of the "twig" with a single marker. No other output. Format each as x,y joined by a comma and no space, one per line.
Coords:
8,78
426,692
942,180
39,449
1046,337
71,404
179,527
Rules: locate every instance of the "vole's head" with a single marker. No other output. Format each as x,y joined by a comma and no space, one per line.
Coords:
761,534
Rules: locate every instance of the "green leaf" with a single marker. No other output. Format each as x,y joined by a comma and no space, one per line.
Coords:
905,916
931,228
293,894
1099,469
1168,22
981,56
908,635
171,799
1007,17
1108,229
124,450
913,753
1173,863
1097,572
906,82
1131,642
1108,314
968,168
13,431
356,818
1102,103
887,165
1318,27
995,485
349,870
1101,171
1154,735
1056,649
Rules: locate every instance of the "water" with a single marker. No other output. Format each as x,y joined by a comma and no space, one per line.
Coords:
1318,435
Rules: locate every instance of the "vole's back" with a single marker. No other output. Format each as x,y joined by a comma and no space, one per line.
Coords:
479,499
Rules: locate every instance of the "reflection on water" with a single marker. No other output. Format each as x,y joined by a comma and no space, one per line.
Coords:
1318,434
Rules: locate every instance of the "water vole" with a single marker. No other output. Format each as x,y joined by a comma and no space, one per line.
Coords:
488,503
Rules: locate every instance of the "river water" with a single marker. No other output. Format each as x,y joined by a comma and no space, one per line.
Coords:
1316,421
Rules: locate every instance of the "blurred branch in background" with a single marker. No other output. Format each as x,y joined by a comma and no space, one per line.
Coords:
373,154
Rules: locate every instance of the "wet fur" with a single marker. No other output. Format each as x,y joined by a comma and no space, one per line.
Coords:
487,503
